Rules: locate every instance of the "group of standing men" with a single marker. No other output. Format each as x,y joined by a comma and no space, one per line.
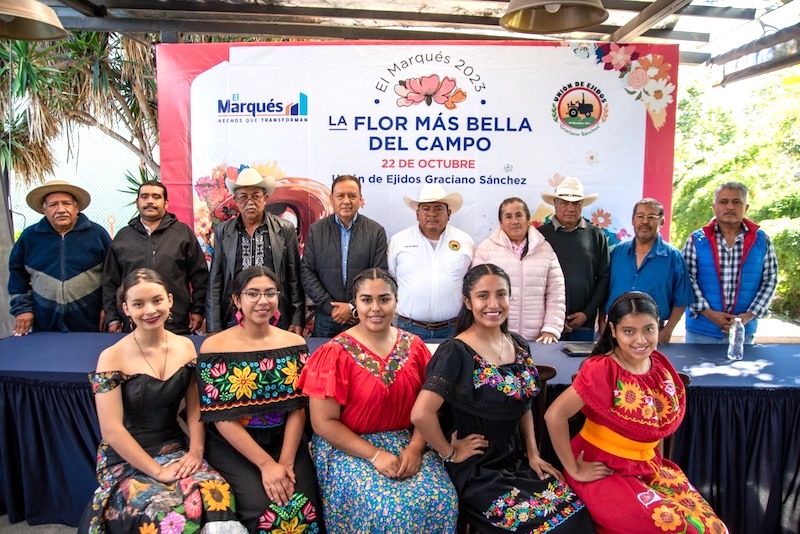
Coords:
65,270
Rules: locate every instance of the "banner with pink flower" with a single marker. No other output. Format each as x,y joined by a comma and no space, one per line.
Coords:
490,120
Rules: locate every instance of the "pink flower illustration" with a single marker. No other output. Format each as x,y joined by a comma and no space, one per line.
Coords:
619,57
429,89
555,180
622,234
266,521
212,392
266,364
309,512
172,523
219,369
193,505
637,79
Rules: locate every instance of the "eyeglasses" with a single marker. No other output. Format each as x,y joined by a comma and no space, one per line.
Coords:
243,197
651,217
254,296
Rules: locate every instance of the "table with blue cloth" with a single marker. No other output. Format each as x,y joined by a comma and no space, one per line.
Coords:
739,443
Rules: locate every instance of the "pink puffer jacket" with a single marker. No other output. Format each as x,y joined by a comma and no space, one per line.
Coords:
538,301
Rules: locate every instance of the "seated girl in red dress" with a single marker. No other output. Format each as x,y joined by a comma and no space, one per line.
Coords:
632,398
374,474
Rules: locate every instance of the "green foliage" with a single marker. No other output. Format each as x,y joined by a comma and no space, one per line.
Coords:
785,235
753,138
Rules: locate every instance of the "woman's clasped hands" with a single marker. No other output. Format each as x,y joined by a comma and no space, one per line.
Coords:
278,480
404,465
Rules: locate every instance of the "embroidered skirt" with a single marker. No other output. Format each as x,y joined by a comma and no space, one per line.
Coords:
357,499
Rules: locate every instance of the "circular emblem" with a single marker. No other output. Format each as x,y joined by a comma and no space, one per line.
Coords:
454,245
579,110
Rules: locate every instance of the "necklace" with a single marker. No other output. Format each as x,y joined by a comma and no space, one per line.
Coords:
623,364
160,376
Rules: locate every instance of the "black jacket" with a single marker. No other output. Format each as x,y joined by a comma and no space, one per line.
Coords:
285,257
173,251
321,267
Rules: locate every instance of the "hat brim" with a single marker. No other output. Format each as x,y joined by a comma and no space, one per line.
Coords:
35,198
587,200
267,184
454,202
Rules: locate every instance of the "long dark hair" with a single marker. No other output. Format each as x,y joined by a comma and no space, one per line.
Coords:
465,317
626,304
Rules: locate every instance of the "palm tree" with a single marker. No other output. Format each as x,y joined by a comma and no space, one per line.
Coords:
102,80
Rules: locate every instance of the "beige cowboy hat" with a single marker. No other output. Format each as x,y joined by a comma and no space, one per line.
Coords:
571,190
36,196
435,193
250,177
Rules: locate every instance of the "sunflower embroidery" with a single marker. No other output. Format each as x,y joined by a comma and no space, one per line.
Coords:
689,501
454,245
628,396
666,519
217,495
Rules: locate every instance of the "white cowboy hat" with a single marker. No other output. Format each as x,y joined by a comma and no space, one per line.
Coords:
250,177
35,198
435,193
571,190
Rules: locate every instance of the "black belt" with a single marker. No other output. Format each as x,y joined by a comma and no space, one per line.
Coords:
438,325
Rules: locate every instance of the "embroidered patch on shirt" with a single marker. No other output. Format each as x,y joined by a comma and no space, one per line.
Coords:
454,245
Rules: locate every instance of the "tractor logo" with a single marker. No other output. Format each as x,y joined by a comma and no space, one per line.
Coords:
580,110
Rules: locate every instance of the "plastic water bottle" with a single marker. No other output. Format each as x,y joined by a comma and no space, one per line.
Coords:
736,340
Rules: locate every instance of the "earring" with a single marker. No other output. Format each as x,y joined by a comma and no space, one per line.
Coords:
169,317
239,317
354,313
130,324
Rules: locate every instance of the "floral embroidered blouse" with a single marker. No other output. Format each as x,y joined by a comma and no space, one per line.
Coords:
256,388
376,394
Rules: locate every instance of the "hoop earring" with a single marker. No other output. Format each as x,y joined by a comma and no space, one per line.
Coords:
354,313
239,317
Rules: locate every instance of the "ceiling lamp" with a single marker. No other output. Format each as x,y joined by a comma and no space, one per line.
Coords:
29,20
551,16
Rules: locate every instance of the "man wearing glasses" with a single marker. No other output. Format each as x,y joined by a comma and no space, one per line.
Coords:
649,264
254,237
582,251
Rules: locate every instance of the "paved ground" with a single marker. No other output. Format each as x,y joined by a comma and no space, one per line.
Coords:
769,331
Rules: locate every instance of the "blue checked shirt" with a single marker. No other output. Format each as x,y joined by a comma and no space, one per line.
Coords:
730,258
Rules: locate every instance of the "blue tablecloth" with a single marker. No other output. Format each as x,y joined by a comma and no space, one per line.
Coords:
739,443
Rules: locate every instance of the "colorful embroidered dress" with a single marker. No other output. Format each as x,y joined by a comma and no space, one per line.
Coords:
130,501
627,415
376,396
498,491
258,389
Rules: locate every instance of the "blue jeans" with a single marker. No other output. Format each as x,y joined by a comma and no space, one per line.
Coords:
426,333
325,326
701,339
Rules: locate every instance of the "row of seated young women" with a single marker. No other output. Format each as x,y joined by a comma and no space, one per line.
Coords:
403,442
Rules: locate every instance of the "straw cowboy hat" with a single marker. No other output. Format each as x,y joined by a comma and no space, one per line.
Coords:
571,190
435,193
252,178
35,198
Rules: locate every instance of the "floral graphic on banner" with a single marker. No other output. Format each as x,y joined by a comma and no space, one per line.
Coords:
646,77
429,89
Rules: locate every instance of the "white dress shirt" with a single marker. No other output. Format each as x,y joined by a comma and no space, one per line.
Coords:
429,280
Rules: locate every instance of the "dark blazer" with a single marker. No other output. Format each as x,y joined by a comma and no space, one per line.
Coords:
321,266
285,258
